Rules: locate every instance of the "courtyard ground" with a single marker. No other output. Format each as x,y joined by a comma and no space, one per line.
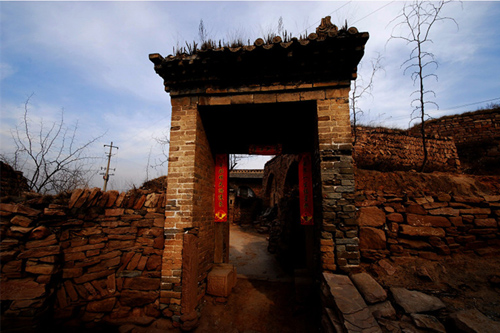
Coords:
264,298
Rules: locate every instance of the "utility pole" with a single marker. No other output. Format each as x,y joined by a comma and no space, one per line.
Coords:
106,175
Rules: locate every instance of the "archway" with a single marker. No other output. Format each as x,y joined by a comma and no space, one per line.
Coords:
292,93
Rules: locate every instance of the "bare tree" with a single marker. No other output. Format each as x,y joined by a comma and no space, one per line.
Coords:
234,159
49,156
359,89
162,160
417,19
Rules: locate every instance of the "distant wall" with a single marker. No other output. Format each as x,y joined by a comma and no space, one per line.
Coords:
390,150
94,256
476,135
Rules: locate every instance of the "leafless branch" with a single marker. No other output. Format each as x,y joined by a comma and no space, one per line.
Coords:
51,161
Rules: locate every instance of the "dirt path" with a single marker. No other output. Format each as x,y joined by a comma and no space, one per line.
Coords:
264,298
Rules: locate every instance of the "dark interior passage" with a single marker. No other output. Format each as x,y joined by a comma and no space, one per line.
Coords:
233,128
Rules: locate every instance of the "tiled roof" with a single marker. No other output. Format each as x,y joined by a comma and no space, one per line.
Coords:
325,56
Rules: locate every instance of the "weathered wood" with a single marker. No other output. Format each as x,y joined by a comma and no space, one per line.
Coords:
221,237
189,274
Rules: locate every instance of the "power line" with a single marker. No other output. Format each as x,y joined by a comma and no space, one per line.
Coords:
376,10
474,103
336,10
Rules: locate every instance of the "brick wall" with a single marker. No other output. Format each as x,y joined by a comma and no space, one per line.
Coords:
390,150
91,257
338,232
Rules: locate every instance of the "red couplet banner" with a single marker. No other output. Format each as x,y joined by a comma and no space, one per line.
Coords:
305,189
221,173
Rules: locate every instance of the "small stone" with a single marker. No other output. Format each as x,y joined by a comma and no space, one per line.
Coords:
104,305
386,265
21,221
383,310
428,322
39,233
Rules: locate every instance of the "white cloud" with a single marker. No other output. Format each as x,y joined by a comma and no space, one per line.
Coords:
92,59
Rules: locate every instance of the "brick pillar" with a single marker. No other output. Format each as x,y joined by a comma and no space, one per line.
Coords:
339,237
179,207
189,208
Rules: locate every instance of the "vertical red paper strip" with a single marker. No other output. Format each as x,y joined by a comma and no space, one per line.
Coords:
305,189
221,171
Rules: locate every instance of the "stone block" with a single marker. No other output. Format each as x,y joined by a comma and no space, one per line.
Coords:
370,289
372,238
371,216
221,280
422,231
352,308
415,301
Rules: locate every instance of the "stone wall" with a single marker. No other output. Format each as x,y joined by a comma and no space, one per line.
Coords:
386,149
425,225
476,135
92,257
12,182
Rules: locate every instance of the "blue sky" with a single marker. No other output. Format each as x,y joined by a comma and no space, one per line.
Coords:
91,59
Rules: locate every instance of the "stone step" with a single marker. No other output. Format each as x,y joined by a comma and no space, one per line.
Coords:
349,312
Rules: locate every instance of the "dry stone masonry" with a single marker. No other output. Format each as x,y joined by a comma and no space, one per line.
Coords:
92,257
